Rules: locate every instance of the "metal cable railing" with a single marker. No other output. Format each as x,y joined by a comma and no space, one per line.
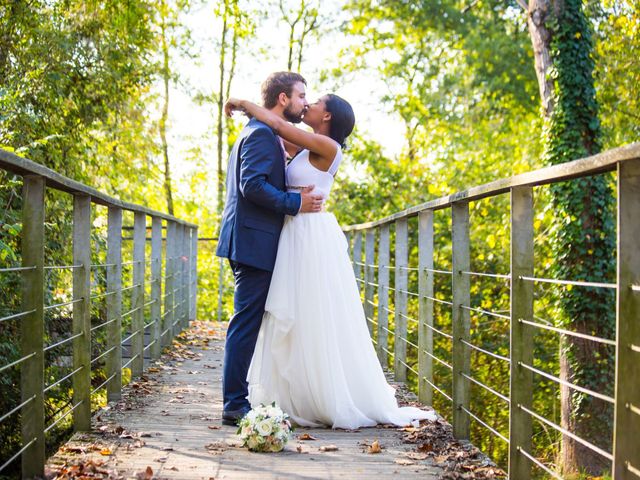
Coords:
406,310
172,245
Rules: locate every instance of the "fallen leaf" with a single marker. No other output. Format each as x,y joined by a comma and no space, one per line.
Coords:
404,461
306,436
214,427
416,455
146,475
216,447
374,447
106,451
425,447
328,448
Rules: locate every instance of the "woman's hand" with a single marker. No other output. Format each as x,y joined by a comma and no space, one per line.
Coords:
233,104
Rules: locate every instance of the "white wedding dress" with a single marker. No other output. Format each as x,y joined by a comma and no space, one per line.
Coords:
314,356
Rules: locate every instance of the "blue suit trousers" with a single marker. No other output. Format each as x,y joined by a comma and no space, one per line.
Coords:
251,289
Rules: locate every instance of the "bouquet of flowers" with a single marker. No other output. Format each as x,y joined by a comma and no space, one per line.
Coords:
265,429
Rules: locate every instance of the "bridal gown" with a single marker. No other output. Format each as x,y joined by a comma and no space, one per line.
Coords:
314,356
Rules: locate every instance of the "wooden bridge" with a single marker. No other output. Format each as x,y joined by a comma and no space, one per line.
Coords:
402,321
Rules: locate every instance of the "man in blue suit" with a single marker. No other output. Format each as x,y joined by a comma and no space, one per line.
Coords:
254,212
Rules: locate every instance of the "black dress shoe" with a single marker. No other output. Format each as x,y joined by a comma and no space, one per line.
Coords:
233,418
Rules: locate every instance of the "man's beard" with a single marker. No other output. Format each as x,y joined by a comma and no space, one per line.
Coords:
292,116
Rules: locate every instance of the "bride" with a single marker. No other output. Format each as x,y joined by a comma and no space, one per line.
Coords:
314,356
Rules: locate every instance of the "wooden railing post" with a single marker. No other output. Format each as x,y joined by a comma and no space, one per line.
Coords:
114,303
369,276
156,284
170,281
179,288
460,318
82,312
193,274
383,295
137,294
521,345
357,257
400,304
32,327
186,284
220,288
626,448
425,313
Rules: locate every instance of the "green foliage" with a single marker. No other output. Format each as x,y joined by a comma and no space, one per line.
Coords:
617,70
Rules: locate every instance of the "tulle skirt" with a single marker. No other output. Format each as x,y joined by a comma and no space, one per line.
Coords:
314,356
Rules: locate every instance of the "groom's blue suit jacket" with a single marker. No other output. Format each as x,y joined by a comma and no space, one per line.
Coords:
256,199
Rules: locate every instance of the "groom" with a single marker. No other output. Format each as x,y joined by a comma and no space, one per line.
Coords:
250,228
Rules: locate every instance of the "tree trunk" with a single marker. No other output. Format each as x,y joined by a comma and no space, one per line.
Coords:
292,28
583,243
166,74
232,71
540,12
221,99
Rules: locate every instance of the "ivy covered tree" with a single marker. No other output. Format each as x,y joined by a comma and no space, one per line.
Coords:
583,239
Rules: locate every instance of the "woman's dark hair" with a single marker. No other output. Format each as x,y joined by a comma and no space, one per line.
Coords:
342,118
277,83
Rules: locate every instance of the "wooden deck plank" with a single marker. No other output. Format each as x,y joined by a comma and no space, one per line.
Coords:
169,414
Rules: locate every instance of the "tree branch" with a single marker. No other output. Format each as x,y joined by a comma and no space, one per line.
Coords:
523,4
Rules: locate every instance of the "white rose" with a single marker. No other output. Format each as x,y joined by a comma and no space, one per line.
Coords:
264,428
251,416
273,412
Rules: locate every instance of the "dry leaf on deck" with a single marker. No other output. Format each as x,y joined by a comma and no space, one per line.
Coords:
416,455
404,461
374,447
146,475
328,448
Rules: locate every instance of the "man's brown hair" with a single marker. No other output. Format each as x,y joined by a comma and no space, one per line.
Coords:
277,83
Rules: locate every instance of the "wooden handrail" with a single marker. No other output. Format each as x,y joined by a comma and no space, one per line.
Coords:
23,166
583,167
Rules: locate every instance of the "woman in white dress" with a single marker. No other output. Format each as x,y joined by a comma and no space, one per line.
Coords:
314,356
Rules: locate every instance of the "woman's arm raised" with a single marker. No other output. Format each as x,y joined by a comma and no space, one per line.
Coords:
322,145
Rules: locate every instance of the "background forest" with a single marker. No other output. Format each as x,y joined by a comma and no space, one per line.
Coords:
127,97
